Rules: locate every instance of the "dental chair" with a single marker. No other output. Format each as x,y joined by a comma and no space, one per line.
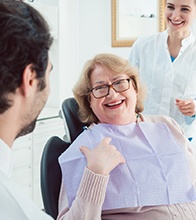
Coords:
55,146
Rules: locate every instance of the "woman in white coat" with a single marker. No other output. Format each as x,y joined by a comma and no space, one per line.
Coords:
167,64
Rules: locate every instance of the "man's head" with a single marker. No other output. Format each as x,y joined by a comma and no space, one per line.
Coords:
24,44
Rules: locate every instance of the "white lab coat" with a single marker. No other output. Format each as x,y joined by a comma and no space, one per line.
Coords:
14,204
166,80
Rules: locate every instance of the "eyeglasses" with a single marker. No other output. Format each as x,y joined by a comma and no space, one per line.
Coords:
103,90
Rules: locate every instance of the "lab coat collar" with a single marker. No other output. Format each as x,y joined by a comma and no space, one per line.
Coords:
188,40
6,158
185,42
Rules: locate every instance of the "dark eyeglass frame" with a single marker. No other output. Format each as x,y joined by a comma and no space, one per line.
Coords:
111,86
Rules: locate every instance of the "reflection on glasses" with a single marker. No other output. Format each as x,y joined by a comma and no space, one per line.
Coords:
103,90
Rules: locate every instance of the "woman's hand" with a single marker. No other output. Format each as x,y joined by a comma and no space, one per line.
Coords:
103,158
186,107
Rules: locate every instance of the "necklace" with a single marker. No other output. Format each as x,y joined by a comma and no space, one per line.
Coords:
137,117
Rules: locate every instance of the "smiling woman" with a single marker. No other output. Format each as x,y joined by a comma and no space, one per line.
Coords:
105,70
169,71
123,169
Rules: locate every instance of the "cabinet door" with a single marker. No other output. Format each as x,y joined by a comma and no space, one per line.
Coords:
43,131
22,172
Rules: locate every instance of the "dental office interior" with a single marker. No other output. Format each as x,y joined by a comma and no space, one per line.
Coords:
81,29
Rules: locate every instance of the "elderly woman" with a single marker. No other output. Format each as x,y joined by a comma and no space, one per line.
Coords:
131,166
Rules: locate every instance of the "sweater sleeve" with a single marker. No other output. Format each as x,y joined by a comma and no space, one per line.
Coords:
89,200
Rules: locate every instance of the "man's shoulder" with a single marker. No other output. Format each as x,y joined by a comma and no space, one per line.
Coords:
15,204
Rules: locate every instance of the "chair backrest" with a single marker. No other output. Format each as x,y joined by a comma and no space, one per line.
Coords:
51,174
50,169
69,113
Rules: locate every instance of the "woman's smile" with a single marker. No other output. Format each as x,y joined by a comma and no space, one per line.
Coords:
115,104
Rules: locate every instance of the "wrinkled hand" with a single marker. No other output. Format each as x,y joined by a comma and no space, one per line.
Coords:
186,107
103,158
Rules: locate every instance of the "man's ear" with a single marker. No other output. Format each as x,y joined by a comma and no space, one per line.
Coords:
28,80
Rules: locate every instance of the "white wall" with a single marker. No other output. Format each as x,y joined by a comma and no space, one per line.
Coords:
94,30
84,30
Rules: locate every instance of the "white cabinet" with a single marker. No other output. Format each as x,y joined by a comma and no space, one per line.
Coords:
22,173
28,150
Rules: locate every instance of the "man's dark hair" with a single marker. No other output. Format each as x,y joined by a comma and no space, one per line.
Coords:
24,39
